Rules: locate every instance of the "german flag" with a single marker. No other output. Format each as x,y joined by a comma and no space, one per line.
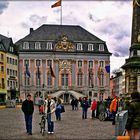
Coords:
52,73
58,3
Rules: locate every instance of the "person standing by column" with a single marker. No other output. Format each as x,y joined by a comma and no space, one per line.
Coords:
50,108
28,109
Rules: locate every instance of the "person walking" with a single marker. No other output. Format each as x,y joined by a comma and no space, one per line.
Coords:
72,104
58,109
93,108
50,108
133,121
28,109
84,106
114,108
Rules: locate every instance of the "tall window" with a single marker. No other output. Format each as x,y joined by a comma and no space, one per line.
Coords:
64,79
49,79
2,69
49,62
101,81
26,62
26,80
26,45
79,79
101,64
37,46
90,79
2,57
79,63
90,64
38,63
3,85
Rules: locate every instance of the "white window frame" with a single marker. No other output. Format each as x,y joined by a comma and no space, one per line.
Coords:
26,45
138,52
79,47
101,47
90,47
49,46
37,46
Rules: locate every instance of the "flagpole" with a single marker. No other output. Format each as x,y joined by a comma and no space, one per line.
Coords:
61,13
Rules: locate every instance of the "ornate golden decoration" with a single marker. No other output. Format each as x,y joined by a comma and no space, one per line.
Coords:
65,65
64,44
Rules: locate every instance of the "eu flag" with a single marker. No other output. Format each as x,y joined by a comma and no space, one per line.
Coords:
107,67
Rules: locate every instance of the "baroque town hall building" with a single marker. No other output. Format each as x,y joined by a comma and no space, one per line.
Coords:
78,59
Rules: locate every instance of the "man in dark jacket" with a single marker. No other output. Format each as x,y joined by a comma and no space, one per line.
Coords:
133,122
28,109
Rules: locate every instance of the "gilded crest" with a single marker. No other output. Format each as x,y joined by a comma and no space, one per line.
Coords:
64,44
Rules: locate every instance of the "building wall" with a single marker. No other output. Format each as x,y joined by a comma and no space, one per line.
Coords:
3,86
12,75
59,67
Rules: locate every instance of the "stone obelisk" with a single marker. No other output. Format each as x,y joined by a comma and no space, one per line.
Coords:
132,64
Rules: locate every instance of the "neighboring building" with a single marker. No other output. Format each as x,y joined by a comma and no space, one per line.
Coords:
77,57
132,64
9,69
117,83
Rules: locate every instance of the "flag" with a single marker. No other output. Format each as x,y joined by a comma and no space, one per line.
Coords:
107,67
91,78
38,73
27,73
58,3
52,73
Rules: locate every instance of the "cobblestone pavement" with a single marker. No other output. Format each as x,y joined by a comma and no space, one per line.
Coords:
12,126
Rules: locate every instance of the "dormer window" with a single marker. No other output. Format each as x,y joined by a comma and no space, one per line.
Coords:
26,45
79,47
37,46
49,46
138,52
11,49
101,47
90,47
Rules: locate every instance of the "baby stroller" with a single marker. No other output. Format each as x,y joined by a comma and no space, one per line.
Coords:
107,115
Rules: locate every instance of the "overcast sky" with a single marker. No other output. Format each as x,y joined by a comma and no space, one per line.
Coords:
109,20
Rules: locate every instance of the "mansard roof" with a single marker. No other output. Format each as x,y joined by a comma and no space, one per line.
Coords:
53,32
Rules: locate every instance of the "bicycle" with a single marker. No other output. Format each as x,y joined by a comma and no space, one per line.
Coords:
42,124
